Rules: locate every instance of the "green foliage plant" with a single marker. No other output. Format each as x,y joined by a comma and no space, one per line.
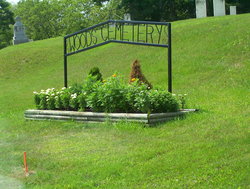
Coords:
58,102
62,101
162,101
82,101
73,102
95,72
182,100
37,99
90,84
111,95
89,89
135,89
43,102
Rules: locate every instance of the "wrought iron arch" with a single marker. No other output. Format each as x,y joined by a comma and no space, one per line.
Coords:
157,34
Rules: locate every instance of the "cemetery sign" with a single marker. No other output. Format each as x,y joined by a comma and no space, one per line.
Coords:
147,33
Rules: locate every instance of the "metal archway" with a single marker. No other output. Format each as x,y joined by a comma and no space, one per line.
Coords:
120,31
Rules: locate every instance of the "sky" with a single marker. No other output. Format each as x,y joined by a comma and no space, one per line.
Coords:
13,1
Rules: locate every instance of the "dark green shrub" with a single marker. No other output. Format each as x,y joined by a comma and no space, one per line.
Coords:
95,72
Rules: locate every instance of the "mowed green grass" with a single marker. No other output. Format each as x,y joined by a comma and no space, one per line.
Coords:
209,149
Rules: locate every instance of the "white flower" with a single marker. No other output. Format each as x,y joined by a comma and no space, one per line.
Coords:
63,88
74,95
173,94
35,92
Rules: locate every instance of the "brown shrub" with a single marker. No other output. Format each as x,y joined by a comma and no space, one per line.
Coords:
137,73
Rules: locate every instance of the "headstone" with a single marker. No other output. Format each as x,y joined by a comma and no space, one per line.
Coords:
219,7
201,8
127,17
19,32
233,10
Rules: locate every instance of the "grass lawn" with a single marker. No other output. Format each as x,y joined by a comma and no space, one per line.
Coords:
209,149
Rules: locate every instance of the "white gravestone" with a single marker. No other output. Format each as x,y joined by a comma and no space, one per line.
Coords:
19,32
127,17
201,8
219,7
233,10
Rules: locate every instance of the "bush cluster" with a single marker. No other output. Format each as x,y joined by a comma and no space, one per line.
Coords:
111,95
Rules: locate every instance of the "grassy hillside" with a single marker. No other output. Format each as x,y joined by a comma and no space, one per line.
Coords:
209,149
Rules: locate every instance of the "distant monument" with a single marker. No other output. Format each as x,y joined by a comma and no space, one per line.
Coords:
201,8
19,32
219,7
233,10
127,17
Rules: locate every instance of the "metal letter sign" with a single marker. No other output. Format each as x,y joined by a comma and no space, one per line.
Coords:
156,34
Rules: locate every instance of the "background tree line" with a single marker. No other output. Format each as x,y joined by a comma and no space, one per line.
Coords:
50,18
6,19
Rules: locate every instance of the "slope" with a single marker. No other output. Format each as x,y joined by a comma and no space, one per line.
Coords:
208,149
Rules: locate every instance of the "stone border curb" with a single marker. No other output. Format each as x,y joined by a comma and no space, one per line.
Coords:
102,117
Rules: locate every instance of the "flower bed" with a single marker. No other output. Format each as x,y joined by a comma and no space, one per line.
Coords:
98,100
111,95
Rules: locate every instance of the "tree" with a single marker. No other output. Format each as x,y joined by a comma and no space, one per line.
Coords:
50,18
39,17
243,6
6,19
160,10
